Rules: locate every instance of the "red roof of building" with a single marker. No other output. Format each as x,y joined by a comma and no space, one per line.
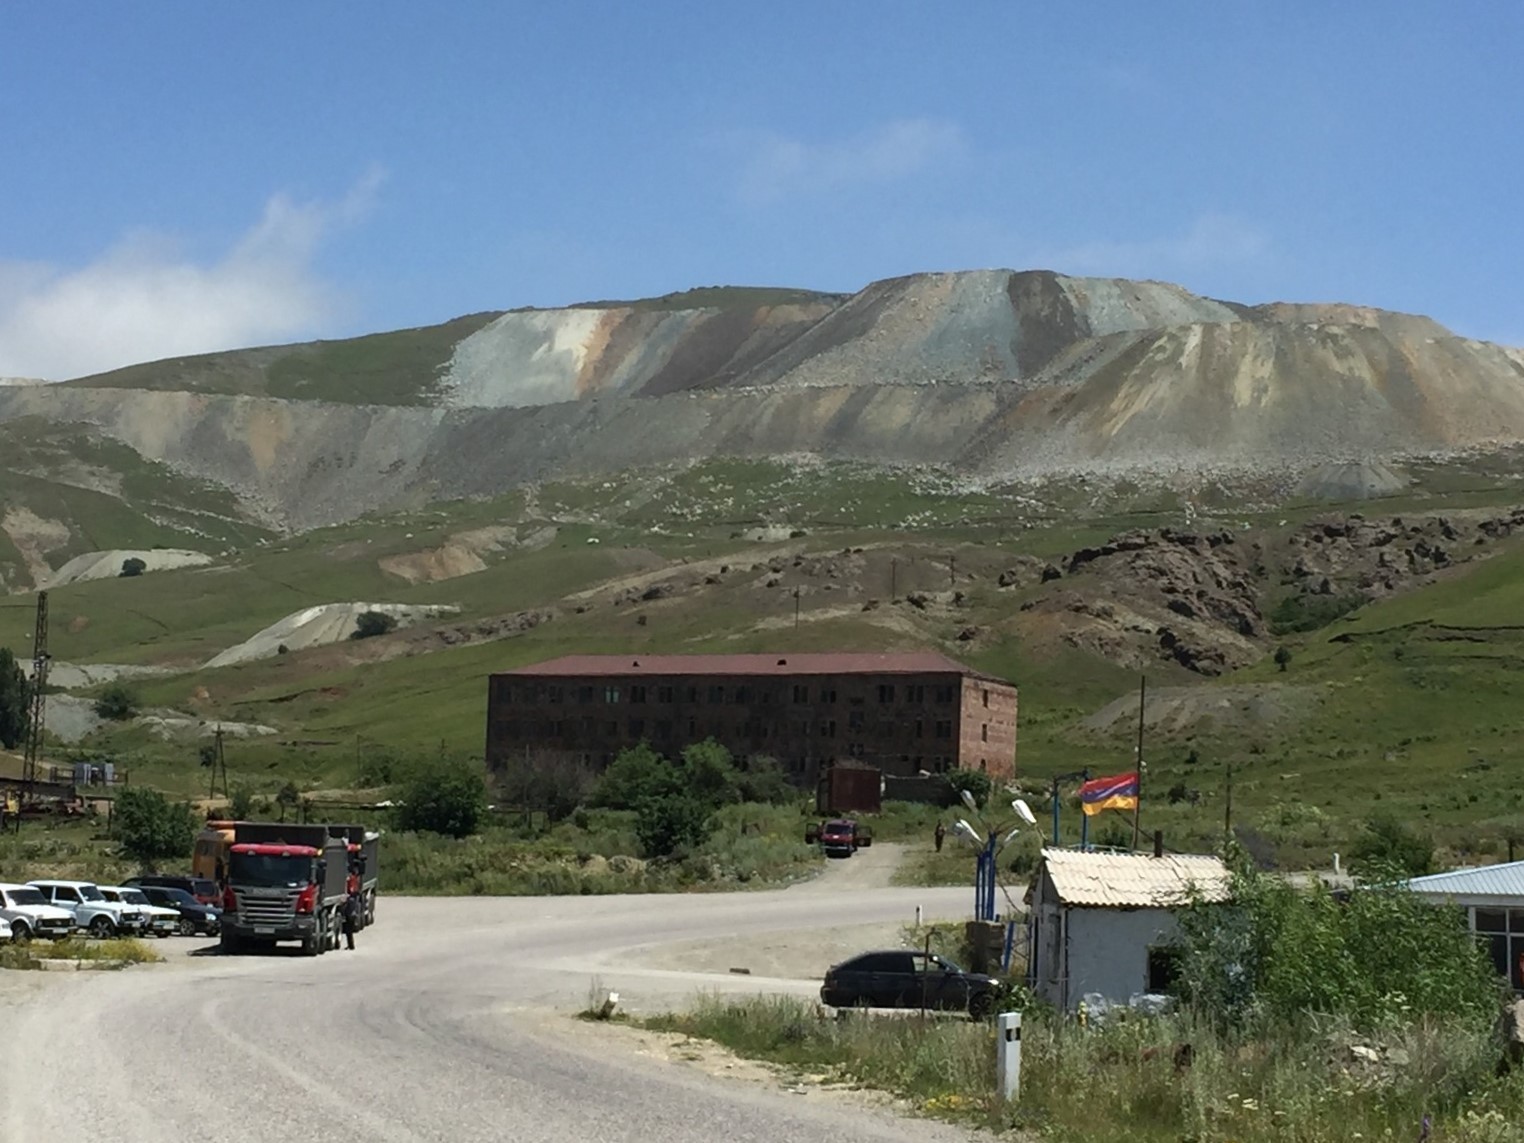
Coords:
780,664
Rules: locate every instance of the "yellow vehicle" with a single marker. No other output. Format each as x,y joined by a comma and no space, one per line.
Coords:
209,859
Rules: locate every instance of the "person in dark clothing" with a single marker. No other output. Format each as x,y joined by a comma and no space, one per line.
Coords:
939,835
351,916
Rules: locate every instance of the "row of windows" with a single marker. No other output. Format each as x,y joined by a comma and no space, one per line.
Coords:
716,694
661,728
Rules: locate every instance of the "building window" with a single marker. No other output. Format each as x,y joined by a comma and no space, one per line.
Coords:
886,692
585,694
503,691
716,694
916,693
611,728
986,698
984,732
693,694
946,694
637,727
1163,970
693,728
665,694
611,694
587,726
983,765
554,694
743,694
920,728
801,694
637,694
855,720
828,728
827,694
855,750
944,728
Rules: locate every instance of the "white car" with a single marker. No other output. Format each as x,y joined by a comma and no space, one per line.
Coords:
29,915
5,930
92,912
158,921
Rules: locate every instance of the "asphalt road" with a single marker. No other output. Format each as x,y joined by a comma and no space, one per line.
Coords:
449,1022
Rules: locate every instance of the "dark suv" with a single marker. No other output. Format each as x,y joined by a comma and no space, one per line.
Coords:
202,889
906,978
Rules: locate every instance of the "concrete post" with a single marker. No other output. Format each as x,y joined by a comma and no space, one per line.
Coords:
1008,1057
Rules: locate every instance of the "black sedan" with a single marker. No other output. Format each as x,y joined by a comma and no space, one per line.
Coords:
194,916
907,979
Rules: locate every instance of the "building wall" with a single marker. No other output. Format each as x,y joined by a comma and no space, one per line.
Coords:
901,723
987,727
1107,950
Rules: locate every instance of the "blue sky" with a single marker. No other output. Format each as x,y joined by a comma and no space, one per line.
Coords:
181,177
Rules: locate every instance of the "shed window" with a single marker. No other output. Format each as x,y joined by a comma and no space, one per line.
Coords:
1163,970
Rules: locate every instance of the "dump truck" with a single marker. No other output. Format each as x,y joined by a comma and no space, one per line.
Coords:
364,866
285,882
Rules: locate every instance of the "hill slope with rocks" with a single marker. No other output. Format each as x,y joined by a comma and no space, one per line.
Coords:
994,376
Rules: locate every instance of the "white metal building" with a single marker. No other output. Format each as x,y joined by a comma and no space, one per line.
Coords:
1102,922
1493,897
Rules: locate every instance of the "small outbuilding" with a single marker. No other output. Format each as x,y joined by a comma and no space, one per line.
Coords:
1101,922
1493,897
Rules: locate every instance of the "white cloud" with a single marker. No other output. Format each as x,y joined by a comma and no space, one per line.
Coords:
1213,240
143,299
781,167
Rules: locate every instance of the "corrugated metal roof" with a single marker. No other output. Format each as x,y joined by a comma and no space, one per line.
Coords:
781,663
1505,880
1134,880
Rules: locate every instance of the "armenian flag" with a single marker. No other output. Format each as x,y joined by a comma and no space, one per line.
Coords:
1117,793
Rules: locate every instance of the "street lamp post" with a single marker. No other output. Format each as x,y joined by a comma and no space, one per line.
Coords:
989,844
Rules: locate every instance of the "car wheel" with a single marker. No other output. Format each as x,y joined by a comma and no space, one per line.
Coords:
186,927
980,1004
21,934
102,928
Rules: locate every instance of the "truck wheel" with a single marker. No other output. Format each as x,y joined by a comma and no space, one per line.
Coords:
101,928
310,945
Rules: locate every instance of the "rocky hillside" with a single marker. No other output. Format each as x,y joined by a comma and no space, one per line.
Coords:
993,375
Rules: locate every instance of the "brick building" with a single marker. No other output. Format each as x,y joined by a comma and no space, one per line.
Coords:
903,712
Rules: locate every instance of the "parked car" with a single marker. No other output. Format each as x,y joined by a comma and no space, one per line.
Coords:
194,917
905,978
92,912
30,915
158,921
839,837
203,889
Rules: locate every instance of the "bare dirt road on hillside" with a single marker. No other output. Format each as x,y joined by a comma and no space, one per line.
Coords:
443,1025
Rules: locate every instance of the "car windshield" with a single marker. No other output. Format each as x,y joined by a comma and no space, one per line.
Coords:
91,893
25,897
111,894
177,896
132,897
268,871
943,962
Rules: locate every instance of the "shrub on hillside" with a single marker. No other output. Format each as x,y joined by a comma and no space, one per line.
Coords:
1388,844
709,773
447,797
671,824
1309,612
373,623
637,774
151,828
117,702
132,566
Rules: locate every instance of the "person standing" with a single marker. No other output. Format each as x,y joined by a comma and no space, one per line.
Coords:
939,835
351,917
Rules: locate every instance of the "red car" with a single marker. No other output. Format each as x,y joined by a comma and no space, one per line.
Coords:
839,837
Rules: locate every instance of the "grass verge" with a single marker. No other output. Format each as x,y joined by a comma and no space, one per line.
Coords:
1122,1083
114,953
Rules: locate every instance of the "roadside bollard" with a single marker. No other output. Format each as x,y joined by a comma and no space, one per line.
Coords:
1008,1056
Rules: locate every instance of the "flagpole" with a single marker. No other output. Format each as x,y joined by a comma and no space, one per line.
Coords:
1137,807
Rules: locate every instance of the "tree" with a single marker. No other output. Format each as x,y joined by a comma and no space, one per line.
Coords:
15,695
373,623
672,823
132,566
241,804
637,774
446,797
117,702
1388,844
1282,657
710,773
550,782
976,782
286,797
151,828
762,780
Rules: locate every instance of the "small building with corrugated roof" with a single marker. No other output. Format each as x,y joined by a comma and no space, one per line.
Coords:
1100,922
1493,897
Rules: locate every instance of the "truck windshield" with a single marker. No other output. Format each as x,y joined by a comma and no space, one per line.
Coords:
91,893
26,897
270,872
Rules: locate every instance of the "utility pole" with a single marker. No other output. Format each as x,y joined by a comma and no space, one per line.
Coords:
1227,816
796,609
1137,808
952,570
38,706
219,765
894,576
